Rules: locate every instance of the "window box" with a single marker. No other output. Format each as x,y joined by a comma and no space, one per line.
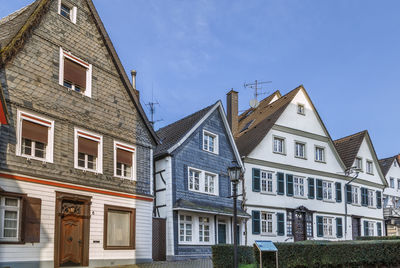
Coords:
124,161
67,11
119,228
88,151
210,142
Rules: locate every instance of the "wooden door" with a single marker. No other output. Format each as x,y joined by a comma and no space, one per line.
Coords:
159,239
355,227
299,232
71,240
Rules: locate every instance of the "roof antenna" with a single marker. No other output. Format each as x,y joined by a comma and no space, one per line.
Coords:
257,86
152,107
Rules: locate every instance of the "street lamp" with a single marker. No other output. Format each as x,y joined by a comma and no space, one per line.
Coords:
235,173
348,172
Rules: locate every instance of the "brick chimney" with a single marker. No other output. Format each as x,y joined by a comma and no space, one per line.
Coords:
133,74
232,102
398,158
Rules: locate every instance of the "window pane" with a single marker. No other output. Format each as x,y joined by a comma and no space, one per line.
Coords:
26,146
12,202
40,149
118,229
81,159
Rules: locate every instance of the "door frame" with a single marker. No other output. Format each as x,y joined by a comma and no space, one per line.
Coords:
86,200
358,218
226,231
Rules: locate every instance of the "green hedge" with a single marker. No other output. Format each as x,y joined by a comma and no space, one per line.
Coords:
222,255
378,238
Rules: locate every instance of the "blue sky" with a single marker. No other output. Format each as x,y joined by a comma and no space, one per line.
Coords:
190,53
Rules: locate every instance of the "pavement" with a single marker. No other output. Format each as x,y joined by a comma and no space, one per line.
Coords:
200,263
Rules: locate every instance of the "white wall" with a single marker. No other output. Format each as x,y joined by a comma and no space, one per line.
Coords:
394,172
366,154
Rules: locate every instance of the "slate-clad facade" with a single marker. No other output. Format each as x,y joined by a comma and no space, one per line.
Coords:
180,200
72,154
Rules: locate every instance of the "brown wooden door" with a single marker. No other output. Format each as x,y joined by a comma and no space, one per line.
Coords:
71,240
355,227
159,237
299,232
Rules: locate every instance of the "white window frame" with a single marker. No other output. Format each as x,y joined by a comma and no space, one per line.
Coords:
73,11
301,109
212,175
391,185
129,148
359,160
185,222
268,180
202,224
370,198
202,181
38,119
216,143
78,132
298,186
196,229
283,145
371,228
327,223
369,167
68,55
317,147
355,192
326,188
3,208
304,151
268,222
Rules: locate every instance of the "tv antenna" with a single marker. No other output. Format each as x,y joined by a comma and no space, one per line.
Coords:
152,107
258,87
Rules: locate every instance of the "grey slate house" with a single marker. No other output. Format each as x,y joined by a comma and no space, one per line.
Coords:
192,185
76,154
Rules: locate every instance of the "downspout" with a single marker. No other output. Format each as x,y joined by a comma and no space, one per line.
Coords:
345,203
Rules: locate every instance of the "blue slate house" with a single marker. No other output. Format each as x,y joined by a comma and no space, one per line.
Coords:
192,186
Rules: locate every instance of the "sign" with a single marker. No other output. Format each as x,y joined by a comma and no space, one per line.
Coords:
266,246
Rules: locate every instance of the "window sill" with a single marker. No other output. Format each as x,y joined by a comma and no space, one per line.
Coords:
269,235
299,197
299,157
125,178
279,153
75,92
88,170
28,157
200,192
369,173
267,193
303,114
211,152
321,162
371,207
328,201
356,205
65,18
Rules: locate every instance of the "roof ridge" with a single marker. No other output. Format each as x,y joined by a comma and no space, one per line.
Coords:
351,135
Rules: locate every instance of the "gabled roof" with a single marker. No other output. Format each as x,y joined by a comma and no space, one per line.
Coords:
265,117
15,29
348,147
175,134
249,115
386,163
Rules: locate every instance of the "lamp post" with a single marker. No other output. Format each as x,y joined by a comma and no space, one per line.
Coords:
234,173
348,172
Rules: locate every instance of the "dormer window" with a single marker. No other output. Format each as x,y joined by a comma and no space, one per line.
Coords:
75,73
210,142
300,109
67,11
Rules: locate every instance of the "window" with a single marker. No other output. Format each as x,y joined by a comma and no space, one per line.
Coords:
75,73
35,137
328,227
370,228
266,223
327,190
10,218
370,198
309,224
67,11
88,151
300,109
119,227
391,182
370,167
358,163
398,184
300,150
319,154
124,160
202,181
298,185
289,223
210,142
279,145
355,195
204,229
266,182
185,228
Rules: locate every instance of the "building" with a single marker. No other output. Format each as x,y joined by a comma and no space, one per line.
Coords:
391,196
192,185
3,108
76,156
295,177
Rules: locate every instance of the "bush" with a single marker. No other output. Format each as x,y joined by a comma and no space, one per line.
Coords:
378,238
222,255
334,254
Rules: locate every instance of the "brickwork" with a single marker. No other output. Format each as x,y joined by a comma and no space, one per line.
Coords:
31,82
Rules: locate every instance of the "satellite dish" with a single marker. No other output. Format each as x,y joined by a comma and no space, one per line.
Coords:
254,103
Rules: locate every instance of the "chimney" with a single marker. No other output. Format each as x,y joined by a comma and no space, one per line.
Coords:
398,158
133,74
232,110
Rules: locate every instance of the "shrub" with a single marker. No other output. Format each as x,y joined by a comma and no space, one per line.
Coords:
222,255
378,238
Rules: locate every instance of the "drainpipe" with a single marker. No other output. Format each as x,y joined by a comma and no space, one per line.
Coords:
348,172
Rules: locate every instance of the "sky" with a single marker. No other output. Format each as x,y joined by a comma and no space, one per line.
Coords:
190,53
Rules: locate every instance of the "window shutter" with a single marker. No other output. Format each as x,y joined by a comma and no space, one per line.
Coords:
348,194
256,180
74,73
281,223
87,146
255,216
311,188
32,212
379,228
319,189
365,228
339,227
35,132
281,183
364,197
378,199
289,185
124,157
320,226
338,192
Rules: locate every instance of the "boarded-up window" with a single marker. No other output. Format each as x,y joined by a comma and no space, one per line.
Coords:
74,73
119,227
34,131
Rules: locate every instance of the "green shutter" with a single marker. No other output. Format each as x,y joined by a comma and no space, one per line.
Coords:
320,226
378,199
319,189
338,192
379,228
348,194
281,223
256,180
281,183
289,185
365,228
311,188
364,197
255,216
339,228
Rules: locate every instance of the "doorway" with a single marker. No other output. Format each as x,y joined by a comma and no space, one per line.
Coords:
299,226
221,232
355,227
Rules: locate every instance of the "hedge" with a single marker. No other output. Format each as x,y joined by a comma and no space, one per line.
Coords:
222,255
378,238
